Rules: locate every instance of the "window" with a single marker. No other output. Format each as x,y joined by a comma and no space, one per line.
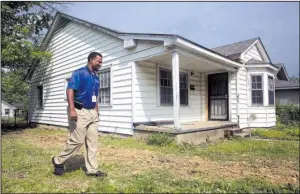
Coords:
104,89
257,91
66,86
183,78
166,87
6,111
271,90
40,96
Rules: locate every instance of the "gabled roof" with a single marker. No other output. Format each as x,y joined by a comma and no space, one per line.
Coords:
11,106
235,48
282,73
285,85
61,19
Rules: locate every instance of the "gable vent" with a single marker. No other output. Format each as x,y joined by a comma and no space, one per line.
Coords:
63,22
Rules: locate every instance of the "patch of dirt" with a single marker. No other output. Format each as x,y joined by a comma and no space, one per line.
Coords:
138,161
50,141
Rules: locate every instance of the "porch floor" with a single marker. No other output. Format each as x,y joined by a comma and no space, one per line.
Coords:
188,127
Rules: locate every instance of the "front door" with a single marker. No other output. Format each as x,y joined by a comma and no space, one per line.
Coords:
218,96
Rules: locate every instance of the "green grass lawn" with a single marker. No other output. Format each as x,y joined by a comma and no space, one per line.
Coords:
136,167
279,132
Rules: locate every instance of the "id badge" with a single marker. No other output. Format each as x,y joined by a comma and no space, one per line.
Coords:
94,99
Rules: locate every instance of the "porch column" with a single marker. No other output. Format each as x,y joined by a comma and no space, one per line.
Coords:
176,100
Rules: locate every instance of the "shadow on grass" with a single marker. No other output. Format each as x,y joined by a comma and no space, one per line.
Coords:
75,163
7,128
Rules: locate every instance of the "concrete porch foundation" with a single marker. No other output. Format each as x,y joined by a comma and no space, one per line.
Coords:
190,132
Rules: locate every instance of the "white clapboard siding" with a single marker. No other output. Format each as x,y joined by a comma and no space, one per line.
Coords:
146,105
242,100
203,96
70,48
233,97
252,53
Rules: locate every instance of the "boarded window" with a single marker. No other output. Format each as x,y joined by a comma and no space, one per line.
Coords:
257,91
271,90
40,96
166,87
104,89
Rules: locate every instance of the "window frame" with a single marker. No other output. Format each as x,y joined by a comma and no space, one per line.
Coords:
103,69
181,71
273,82
7,112
40,105
262,89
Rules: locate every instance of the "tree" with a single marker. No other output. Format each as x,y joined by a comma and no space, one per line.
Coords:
295,78
14,88
23,27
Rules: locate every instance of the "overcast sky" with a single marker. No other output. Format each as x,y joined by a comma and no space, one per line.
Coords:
210,24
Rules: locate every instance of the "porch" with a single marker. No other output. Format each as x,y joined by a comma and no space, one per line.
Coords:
191,132
175,86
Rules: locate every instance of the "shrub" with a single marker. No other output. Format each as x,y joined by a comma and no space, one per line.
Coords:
159,139
288,114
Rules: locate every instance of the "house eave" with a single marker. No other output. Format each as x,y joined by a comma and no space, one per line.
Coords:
287,88
261,66
204,51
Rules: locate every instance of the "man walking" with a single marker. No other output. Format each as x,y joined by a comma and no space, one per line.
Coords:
82,93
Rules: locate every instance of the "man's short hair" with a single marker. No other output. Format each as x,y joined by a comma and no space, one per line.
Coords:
92,55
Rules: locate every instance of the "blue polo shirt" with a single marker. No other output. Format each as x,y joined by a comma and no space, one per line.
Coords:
86,84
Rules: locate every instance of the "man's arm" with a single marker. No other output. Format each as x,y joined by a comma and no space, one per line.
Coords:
70,96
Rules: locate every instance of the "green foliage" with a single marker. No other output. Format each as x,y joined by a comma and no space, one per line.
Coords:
288,114
279,134
23,26
295,78
159,139
14,88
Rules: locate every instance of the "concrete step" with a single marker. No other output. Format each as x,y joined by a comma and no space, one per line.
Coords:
243,135
233,131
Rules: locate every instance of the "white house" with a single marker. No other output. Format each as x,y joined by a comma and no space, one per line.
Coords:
7,110
154,77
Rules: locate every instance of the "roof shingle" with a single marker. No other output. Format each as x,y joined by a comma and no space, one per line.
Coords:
234,48
281,84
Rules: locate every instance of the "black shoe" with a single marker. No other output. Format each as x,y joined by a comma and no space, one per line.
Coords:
98,174
58,168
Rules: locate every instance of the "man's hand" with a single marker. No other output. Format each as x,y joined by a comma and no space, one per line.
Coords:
73,115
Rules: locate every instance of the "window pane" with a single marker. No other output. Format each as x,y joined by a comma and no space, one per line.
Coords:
184,97
258,86
257,96
163,74
104,91
271,97
258,78
270,83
